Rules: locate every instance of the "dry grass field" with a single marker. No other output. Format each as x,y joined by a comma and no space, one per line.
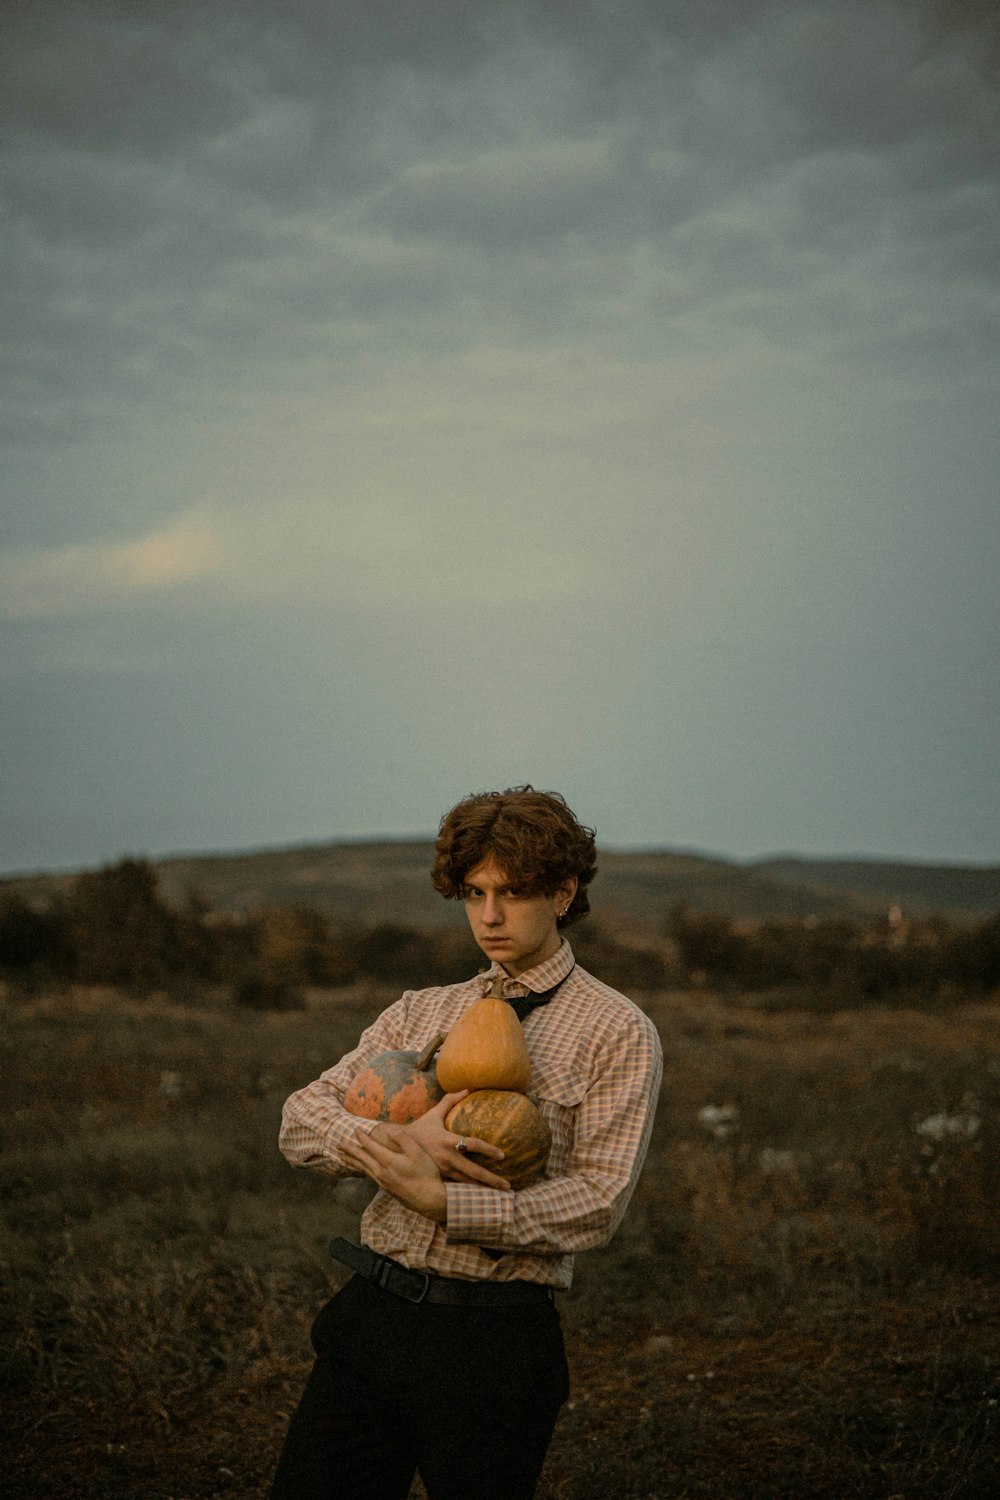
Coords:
802,1301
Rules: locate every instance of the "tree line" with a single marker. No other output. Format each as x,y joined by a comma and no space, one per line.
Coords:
839,957
113,927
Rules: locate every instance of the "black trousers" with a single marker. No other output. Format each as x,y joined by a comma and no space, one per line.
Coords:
469,1396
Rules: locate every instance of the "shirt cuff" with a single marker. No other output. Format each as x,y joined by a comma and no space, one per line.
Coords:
478,1215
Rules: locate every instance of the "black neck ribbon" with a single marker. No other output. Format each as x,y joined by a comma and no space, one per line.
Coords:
523,1004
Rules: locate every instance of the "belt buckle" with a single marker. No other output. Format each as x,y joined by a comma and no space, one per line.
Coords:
388,1269
423,1290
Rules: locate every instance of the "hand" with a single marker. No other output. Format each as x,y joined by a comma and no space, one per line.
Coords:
398,1165
441,1145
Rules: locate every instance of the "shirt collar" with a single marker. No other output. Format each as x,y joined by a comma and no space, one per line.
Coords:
539,979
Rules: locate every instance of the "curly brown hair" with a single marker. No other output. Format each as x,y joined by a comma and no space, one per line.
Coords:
533,836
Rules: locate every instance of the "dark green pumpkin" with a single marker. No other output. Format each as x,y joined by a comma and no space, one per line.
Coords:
396,1086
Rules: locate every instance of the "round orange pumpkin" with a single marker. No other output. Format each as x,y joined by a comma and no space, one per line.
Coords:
396,1086
510,1121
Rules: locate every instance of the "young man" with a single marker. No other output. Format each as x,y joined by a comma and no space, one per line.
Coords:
444,1352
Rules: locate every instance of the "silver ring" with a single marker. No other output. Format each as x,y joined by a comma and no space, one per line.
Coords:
462,1146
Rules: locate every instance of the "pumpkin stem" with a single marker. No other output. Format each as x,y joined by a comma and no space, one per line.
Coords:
424,1060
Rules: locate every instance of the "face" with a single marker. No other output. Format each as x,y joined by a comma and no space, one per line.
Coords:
515,929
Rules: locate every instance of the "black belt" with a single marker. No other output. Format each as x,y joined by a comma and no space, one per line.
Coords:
420,1286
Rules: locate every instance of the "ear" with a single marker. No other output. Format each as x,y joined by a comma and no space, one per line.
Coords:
565,893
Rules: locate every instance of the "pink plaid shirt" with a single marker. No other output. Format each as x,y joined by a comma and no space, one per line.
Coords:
596,1065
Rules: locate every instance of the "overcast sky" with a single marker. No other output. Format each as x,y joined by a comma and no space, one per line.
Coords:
403,398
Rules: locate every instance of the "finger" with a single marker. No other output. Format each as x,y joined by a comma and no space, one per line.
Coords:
449,1101
471,1171
357,1161
375,1152
401,1142
399,1157
390,1140
467,1166
368,1156
482,1148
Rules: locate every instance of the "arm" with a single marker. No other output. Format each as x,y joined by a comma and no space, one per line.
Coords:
318,1132
315,1126
583,1206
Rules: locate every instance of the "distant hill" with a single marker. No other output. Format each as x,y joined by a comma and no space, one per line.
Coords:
390,882
965,889
387,881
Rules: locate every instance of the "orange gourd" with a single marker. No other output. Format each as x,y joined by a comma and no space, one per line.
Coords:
507,1120
485,1049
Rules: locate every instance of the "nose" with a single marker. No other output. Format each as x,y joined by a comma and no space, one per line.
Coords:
492,911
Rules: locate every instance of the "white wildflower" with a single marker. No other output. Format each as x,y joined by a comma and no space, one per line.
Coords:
775,1163
721,1120
943,1127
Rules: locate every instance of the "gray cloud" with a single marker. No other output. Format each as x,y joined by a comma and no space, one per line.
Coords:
630,364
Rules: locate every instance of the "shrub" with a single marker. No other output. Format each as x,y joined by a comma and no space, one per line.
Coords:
34,944
265,992
973,958
122,932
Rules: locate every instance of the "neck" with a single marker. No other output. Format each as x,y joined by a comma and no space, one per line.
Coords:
544,954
